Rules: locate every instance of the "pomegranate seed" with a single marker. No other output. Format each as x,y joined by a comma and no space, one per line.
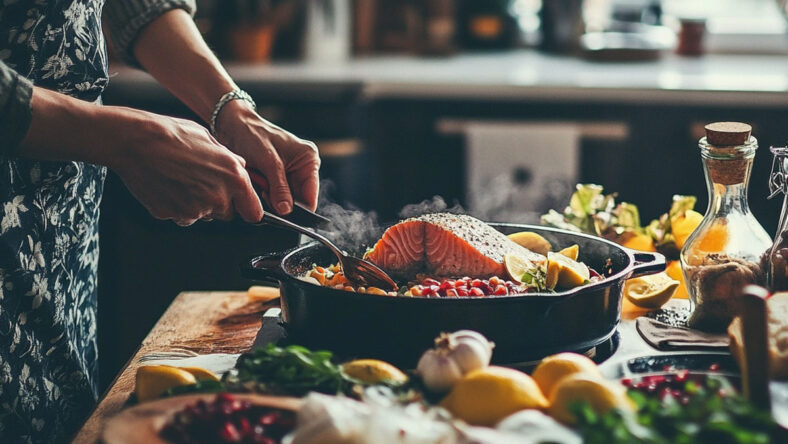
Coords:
476,292
452,293
682,375
500,290
714,367
244,426
462,291
229,433
626,382
429,282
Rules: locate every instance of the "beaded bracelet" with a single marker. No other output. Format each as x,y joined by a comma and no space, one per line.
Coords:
236,94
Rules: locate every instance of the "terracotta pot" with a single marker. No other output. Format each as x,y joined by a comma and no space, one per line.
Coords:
251,43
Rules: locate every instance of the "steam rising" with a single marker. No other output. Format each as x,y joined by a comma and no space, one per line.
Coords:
355,230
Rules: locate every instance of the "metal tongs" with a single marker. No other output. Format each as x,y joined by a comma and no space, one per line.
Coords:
357,271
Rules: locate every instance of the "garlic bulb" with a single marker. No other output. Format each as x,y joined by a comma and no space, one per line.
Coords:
455,354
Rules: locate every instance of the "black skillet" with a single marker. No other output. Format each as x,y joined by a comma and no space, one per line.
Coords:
398,329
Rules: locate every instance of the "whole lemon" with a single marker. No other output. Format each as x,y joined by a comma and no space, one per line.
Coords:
554,368
602,395
486,396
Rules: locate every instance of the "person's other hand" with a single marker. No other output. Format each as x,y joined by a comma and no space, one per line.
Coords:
178,171
290,164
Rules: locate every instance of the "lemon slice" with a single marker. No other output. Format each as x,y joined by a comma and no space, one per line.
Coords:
153,380
651,291
532,241
201,374
373,371
516,266
571,252
571,273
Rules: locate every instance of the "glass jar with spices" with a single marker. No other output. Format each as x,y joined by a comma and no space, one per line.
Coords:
777,260
724,253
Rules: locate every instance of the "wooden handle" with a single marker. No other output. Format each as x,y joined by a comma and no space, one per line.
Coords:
755,335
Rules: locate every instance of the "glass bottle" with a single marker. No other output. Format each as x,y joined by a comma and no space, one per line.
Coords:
724,253
777,260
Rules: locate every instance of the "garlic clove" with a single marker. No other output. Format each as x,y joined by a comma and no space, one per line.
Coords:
438,371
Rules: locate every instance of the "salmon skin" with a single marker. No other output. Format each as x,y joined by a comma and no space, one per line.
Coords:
446,245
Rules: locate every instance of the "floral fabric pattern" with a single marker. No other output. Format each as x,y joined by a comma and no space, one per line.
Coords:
49,233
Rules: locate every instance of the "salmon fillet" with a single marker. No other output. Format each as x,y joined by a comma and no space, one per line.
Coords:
444,244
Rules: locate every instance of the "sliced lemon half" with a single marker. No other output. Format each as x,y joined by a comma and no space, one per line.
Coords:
153,380
373,371
571,252
651,291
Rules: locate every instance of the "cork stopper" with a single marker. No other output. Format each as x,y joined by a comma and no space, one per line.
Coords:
727,133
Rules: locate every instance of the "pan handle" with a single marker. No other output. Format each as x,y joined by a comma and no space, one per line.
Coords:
266,268
646,263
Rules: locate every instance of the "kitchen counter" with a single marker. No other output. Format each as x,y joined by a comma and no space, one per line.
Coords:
751,80
227,322
200,322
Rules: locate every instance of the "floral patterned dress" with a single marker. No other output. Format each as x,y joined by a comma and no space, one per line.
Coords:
49,233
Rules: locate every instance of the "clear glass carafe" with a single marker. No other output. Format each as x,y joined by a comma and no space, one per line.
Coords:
724,253
777,260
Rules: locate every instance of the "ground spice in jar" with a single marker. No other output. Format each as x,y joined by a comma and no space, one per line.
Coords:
717,280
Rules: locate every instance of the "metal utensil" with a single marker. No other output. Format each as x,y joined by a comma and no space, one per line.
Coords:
301,215
357,271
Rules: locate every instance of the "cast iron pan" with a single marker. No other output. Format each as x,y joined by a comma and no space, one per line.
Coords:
399,329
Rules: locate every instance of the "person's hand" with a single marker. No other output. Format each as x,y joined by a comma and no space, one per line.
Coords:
178,171
289,163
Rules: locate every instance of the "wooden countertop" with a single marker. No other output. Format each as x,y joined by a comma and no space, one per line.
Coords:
202,322
210,322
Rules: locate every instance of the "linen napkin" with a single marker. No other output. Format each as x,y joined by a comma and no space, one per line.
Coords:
663,336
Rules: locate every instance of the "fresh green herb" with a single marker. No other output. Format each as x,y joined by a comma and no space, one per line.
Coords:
707,417
291,370
591,211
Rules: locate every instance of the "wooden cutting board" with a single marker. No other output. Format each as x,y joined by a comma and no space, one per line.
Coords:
141,424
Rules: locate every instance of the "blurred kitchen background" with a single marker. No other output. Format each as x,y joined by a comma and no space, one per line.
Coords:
500,106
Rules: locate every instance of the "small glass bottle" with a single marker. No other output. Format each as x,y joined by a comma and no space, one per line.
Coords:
777,260
724,253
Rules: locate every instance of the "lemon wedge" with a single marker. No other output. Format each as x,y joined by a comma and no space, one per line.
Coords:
553,270
674,271
602,395
571,252
153,380
571,273
486,396
651,291
373,371
682,226
531,241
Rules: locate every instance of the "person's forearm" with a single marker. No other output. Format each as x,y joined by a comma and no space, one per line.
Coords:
64,128
172,50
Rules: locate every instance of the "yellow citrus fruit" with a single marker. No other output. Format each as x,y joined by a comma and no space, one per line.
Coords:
153,380
554,368
682,226
640,242
571,252
532,241
486,396
714,239
651,291
602,395
517,266
674,271
201,374
571,274
373,371
553,270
